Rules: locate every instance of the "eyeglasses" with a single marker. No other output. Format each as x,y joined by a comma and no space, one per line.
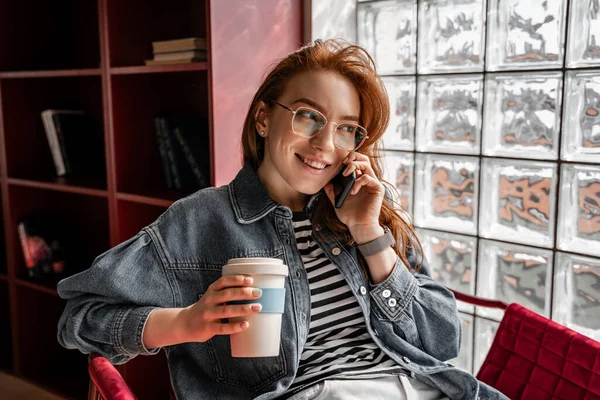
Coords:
308,123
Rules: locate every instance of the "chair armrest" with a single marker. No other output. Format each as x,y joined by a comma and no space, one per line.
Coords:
107,380
478,301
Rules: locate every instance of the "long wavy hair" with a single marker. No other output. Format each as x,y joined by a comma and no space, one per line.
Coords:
354,63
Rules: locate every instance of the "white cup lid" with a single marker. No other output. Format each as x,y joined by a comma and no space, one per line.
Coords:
260,266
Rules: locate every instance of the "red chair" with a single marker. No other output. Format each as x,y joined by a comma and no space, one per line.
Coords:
531,357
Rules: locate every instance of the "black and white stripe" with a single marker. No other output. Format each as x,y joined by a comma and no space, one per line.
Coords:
338,342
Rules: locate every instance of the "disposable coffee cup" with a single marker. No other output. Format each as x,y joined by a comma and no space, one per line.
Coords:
262,338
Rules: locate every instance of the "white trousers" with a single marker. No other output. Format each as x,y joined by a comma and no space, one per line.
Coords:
381,387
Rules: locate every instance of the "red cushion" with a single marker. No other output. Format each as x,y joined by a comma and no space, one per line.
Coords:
108,380
533,357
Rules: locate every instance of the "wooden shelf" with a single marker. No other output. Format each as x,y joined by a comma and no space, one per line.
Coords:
153,69
50,73
48,287
160,200
87,186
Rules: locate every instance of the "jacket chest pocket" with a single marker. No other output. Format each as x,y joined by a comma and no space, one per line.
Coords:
255,374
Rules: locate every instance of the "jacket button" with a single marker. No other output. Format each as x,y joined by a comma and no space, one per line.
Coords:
298,274
317,227
363,290
392,302
386,293
405,360
336,251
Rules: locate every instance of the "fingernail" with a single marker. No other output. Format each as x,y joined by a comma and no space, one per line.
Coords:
256,307
256,292
244,324
248,280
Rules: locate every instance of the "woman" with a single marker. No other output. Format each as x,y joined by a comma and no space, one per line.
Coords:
361,310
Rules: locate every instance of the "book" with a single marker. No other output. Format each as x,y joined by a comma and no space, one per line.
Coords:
161,139
42,243
180,61
76,146
183,44
57,149
181,55
187,150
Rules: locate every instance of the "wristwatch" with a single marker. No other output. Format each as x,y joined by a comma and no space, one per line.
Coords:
379,244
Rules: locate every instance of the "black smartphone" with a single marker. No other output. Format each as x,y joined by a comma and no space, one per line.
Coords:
342,186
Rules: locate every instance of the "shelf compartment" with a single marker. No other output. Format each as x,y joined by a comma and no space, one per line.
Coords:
154,20
137,99
57,35
85,226
28,153
6,354
132,217
40,353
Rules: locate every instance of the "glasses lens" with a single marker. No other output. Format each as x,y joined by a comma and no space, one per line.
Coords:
349,137
308,122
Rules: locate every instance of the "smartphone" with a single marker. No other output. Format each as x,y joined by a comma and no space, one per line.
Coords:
342,186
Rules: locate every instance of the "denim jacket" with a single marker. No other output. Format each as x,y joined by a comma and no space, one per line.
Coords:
171,262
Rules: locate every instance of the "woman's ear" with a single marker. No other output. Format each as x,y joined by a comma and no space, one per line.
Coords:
261,117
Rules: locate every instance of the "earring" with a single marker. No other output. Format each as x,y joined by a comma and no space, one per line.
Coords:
262,133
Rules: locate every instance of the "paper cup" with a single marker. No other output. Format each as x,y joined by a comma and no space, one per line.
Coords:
263,337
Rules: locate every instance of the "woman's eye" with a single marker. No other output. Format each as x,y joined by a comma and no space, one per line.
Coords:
309,115
348,128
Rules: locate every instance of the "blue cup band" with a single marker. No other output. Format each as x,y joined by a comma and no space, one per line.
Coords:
272,300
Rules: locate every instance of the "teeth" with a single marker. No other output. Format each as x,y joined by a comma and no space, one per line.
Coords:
313,164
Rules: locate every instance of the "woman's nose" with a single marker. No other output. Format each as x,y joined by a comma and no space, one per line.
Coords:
324,140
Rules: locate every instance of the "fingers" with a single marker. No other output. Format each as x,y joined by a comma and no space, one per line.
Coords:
372,185
230,328
231,311
360,163
232,294
231,281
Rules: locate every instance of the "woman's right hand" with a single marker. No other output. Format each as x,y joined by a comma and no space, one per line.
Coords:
202,320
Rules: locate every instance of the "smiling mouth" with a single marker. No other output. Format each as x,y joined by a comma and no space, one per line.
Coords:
312,164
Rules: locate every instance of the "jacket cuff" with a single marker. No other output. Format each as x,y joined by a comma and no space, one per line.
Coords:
128,330
394,294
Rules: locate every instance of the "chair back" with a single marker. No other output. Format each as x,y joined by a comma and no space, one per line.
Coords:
533,357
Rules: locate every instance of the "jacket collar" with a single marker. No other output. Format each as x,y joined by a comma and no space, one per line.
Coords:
251,201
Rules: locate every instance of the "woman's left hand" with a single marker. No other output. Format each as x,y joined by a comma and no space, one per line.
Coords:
363,205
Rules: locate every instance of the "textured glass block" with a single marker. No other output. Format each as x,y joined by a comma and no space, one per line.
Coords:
343,26
401,129
446,192
398,170
577,294
581,128
522,115
518,201
387,29
514,274
583,48
465,356
449,114
485,331
579,209
525,34
452,261
451,35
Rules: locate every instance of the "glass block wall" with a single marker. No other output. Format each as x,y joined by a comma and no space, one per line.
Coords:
494,147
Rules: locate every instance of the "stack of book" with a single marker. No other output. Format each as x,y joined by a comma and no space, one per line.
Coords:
177,51
184,150
76,146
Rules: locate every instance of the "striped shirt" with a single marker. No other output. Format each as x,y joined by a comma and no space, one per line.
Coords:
338,342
